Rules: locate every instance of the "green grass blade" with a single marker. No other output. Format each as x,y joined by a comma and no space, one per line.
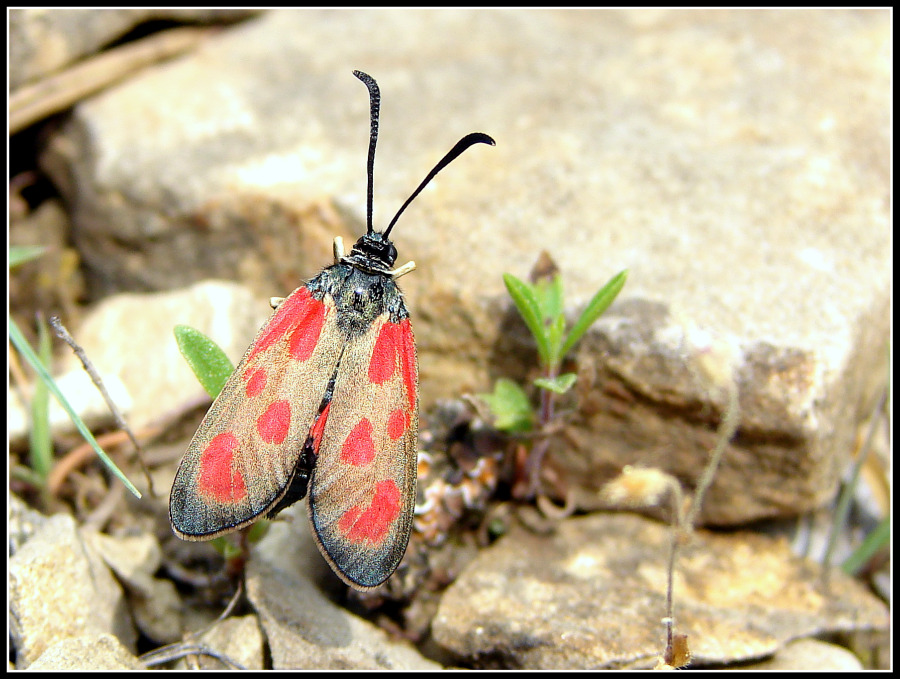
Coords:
595,307
209,363
40,438
20,254
31,358
879,538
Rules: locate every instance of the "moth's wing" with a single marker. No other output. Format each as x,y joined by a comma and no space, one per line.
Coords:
363,490
244,455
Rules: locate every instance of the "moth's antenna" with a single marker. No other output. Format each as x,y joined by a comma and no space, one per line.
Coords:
455,152
375,106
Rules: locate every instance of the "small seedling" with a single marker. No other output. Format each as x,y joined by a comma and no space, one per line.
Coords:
540,303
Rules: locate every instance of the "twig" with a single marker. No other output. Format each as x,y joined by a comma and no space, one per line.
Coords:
678,526
727,428
98,382
182,649
715,367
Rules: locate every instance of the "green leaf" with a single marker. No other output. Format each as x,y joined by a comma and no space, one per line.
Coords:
555,333
20,254
549,293
40,438
559,384
209,363
526,302
510,406
595,307
31,358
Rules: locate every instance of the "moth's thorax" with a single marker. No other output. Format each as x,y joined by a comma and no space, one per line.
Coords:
359,296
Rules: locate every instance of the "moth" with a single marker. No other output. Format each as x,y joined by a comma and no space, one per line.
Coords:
324,402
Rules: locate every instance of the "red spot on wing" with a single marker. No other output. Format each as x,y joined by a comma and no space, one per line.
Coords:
395,348
372,524
408,362
305,338
256,382
274,424
218,478
318,428
300,313
359,448
398,423
383,363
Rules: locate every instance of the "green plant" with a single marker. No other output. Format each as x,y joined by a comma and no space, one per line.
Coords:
541,305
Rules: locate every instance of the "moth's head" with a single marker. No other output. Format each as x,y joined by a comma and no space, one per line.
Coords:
376,246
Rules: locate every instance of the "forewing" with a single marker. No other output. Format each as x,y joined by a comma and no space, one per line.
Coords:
242,458
363,489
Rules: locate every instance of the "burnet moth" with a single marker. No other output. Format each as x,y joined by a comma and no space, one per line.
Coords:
326,401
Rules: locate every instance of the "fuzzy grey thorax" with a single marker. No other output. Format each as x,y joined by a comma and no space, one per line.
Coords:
359,296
